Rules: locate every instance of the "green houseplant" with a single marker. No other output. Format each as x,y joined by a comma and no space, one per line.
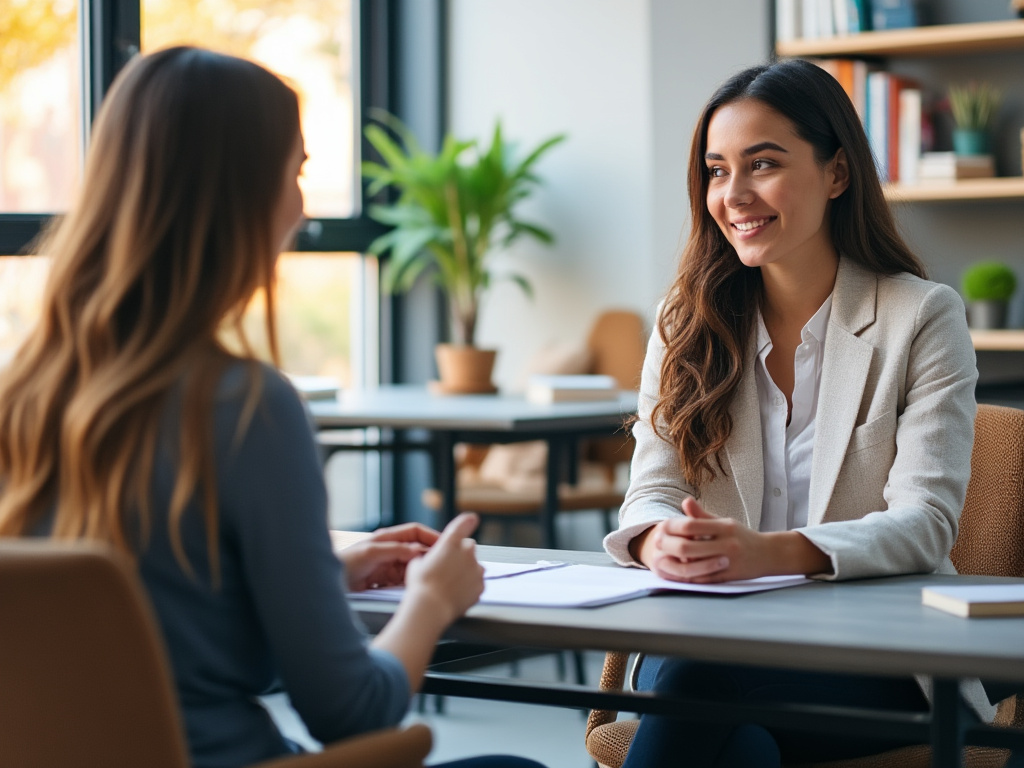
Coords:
987,288
974,107
453,210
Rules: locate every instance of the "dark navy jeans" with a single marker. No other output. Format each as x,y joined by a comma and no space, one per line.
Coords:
665,741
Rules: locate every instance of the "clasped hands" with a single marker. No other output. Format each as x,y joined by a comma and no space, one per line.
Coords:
703,549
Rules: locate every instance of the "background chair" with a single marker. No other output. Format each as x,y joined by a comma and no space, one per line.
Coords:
506,482
990,543
86,681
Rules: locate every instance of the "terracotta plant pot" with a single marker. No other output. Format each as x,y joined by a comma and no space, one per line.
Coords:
464,369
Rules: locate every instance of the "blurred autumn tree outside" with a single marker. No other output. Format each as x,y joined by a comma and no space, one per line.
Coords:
308,42
33,31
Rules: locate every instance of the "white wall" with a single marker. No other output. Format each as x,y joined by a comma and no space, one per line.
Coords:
625,79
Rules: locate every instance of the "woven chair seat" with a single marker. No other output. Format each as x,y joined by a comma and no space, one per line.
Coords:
474,494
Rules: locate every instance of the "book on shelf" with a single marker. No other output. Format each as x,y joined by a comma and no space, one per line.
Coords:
909,135
976,600
826,19
810,25
852,75
544,389
788,20
893,14
877,124
814,19
897,87
949,166
893,115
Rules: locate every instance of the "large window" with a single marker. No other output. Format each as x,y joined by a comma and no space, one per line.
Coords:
59,57
311,44
308,42
40,105
48,81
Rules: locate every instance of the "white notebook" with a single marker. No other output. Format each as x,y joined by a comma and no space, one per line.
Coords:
976,600
561,585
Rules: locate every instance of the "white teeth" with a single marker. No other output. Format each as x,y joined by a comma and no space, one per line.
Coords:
746,226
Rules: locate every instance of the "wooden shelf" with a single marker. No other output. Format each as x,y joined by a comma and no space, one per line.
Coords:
1000,341
1008,188
939,40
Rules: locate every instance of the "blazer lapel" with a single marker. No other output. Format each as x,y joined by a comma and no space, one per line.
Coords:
844,373
743,449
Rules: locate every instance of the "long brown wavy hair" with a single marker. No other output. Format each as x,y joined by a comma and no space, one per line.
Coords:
167,242
709,313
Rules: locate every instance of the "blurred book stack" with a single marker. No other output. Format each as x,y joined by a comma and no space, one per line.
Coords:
947,166
544,389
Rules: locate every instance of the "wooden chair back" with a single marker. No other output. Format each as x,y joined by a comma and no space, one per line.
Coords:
617,344
85,678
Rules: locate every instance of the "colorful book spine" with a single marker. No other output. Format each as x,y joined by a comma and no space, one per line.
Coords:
893,14
787,20
878,120
909,134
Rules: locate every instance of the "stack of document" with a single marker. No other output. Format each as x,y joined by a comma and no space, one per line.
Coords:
556,389
316,387
949,166
564,585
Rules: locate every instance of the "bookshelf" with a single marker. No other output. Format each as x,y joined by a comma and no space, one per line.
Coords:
1009,188
998,341
946,41
939,40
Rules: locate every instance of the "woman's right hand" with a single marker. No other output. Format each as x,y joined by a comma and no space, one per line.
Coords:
448,576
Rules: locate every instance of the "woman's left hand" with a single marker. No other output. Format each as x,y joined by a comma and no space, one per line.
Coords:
380,559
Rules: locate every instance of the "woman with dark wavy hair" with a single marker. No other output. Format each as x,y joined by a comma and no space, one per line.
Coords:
806,406
125,419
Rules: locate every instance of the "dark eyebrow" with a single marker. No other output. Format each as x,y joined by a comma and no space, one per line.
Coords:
762,147
752,150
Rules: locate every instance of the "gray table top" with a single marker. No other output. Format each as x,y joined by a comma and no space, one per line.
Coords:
413,407
869,626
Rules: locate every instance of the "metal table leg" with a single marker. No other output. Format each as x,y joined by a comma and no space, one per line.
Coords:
444,474
947,724
556,453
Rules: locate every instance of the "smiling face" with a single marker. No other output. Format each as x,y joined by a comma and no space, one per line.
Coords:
766,190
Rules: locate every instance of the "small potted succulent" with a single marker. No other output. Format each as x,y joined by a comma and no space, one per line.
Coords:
974,108
987,287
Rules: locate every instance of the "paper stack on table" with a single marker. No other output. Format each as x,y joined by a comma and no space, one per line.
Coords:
563,585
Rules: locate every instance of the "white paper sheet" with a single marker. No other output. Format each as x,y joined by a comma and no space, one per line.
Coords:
581,586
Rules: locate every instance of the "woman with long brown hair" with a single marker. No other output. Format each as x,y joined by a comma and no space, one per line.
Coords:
124,418
806,406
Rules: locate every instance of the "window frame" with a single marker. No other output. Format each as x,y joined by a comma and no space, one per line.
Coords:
110,35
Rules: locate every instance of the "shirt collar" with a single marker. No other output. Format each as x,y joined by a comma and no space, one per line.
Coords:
816,327
818,324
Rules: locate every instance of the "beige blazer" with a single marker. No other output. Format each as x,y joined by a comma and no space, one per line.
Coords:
893,436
